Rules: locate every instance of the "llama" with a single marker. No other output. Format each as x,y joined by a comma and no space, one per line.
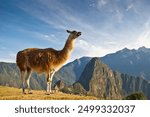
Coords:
46,60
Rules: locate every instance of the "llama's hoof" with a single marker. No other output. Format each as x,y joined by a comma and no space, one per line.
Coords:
52,92
24,93
47,93
30,93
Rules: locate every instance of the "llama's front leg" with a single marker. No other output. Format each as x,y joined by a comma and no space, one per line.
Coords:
48,85
49,81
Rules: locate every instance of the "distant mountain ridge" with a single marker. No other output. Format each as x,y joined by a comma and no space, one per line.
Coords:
10,76
133,62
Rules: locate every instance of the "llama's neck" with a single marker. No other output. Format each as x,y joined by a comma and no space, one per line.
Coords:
64,54
69,45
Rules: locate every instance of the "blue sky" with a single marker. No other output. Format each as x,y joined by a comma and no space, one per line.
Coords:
106,25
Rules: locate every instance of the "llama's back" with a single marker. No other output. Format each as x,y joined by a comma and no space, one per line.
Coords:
21,58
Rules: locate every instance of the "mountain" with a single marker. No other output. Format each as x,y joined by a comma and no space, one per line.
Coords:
132,84
100,81
10,76
71,72
133,62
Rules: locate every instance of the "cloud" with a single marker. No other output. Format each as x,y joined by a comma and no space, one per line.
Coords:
89,49
2,48
7,60
60,16
46,36
12,54
142,38
119,15
67,21
102,3
52,38
113,12
129,7
133,7
8,56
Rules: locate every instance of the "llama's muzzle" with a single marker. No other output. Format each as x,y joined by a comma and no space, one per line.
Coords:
79,33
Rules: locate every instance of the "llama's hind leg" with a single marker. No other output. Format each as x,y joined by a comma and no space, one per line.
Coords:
28,80
23,81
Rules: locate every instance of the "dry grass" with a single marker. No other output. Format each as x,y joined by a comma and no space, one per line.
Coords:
10,93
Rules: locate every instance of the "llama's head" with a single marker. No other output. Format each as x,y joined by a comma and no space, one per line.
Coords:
73,34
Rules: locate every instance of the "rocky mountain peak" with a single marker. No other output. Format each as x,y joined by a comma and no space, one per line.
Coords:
125,50
143,49
99,80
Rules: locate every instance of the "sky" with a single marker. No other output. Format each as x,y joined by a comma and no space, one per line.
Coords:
106,25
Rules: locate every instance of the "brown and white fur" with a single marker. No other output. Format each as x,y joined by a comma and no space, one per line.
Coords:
46,60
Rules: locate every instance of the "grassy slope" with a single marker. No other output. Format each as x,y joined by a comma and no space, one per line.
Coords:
9,93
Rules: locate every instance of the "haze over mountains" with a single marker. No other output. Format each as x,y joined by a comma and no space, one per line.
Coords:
133,66
133,62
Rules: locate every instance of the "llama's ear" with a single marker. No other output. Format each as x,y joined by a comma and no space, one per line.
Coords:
68,31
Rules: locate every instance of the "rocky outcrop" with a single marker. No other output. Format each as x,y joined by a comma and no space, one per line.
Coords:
59,85
131,84
100,81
